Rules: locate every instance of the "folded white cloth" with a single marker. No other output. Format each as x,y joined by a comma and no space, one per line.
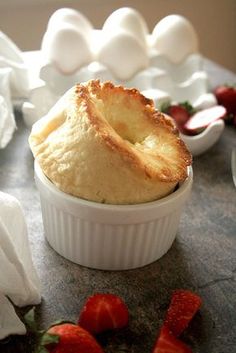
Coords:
14,83
11,57
9,321
18,278
7,119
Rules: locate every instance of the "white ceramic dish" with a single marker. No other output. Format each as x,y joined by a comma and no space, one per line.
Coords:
12,59
202,142
110,237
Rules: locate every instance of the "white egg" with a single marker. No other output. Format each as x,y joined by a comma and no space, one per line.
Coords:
72,17
175,37
67,48
123,54
130,20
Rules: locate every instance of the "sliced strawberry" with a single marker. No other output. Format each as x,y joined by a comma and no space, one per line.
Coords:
184,305
103,312
70,338
200,120
167,343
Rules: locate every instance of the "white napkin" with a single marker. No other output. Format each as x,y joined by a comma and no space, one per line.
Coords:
11,57
18,277
7,119
14,83
9,321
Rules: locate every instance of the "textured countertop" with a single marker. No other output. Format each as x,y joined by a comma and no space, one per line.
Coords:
202,258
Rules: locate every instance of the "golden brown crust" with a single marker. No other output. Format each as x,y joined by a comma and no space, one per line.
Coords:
108,143
157,119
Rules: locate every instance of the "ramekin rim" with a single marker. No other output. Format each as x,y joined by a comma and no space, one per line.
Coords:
96,205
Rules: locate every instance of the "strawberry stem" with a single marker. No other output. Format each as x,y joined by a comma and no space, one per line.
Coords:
49,338
42,337
188,106
165,107
41,349
29,320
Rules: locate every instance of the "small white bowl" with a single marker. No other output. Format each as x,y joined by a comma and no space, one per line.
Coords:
202,142
109,237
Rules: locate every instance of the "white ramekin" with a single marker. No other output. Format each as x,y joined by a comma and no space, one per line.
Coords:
109,237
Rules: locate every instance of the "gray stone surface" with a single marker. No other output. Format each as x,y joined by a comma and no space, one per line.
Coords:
202,259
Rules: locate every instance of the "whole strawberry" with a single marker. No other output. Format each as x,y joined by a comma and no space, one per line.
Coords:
181,113
226,96
103,312
69,338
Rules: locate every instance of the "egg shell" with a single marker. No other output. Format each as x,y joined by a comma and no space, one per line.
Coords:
72,17
67,48
123,54
68,40
204,101
130,20
159,97
175,37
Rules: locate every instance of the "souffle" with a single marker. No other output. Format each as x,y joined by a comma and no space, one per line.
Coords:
109,144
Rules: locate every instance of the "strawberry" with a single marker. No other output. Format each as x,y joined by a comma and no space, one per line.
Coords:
226,96
184,305
167,343
180,113
200,120
103,312
69,338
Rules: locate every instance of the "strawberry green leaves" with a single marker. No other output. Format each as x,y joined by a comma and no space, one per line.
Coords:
104,312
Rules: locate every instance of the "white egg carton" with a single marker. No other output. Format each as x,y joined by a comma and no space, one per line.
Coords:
164,65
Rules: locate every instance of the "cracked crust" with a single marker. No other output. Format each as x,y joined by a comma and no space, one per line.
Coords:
109,144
